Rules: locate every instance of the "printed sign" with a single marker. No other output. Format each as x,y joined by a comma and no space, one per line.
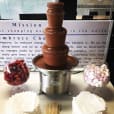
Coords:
87,40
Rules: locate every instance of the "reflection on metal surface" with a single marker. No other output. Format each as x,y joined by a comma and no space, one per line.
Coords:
55,82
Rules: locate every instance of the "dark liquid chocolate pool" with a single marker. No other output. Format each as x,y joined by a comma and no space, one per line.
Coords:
38,61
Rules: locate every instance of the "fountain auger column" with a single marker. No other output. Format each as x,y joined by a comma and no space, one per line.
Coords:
55,63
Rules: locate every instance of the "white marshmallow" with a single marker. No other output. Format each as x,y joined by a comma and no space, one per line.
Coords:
93,74
81,104
22,102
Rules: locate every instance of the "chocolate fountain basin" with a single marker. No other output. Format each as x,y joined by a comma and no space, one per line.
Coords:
55,81
39,62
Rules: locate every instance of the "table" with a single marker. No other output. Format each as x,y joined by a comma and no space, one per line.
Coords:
77,85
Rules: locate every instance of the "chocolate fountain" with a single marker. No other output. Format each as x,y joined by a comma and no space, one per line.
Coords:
55,64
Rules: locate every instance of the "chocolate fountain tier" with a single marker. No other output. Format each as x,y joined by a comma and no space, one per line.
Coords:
55,14
56,56
39,62
55,37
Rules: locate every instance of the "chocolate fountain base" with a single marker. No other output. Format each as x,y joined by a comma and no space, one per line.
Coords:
53,80
38,61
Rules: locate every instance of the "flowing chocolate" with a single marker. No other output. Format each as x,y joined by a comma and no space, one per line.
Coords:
56,56
55,37
55,51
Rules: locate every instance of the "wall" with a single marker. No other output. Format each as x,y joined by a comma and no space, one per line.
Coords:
9,9
99,6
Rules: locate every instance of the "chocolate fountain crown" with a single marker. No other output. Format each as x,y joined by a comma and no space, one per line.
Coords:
55,14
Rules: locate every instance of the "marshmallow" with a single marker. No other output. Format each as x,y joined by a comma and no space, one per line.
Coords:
22,102
81,104
97,76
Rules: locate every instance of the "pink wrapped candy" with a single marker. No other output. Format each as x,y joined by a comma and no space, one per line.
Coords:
16,72
97,76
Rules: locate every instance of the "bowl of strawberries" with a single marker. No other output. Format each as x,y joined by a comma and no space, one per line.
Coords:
16,72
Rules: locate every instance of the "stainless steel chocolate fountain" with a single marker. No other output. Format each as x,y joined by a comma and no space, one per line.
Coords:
55,64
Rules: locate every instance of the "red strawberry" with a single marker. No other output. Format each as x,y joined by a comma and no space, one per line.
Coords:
16,72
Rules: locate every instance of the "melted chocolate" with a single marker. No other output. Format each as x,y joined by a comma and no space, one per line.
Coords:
39,62
55,52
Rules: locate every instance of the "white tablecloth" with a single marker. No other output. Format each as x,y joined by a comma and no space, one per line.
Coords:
77,85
